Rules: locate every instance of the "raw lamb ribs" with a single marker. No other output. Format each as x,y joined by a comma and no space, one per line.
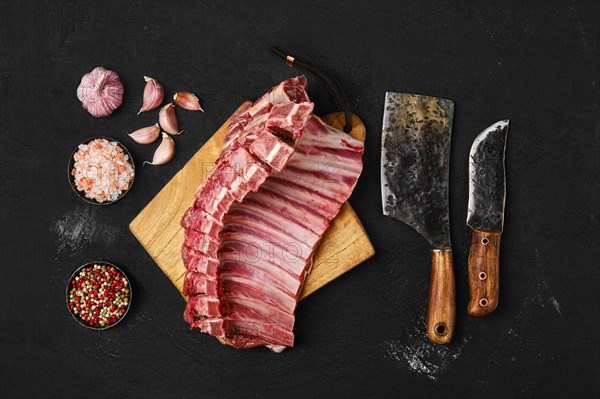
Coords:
258,217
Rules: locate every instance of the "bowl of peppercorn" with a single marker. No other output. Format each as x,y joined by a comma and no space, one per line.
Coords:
98,295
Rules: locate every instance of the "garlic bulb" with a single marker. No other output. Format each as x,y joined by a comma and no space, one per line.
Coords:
187,100
153,95
165,151
168,119
146,135
100,92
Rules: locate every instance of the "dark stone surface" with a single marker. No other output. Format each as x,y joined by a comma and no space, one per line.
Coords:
536,63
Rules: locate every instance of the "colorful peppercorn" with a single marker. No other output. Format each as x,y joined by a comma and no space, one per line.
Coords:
99,295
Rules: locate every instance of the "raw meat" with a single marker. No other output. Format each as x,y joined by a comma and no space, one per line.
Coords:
198,262
272,151
257,219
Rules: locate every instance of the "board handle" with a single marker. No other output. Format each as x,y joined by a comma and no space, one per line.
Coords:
442,298
484,273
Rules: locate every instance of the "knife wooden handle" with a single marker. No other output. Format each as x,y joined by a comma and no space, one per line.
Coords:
484,272
442,298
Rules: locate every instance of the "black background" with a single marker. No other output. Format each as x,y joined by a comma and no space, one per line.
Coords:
536,63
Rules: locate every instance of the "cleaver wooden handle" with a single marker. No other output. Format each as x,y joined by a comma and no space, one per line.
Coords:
442,298
484,272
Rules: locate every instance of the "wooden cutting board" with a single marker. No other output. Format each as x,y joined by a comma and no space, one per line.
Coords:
344,245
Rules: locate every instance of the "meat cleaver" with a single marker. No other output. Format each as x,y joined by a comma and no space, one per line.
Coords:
415,158
485,215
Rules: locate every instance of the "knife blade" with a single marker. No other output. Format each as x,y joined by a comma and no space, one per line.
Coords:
415,158
485,216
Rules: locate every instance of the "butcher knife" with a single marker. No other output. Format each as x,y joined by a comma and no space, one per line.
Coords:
415,158
485,215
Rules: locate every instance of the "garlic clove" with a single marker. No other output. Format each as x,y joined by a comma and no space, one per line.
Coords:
168,119
146,135
100,92
187,100
154,95
165,151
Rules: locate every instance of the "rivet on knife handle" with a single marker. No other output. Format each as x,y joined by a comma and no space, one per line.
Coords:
442,298
484,272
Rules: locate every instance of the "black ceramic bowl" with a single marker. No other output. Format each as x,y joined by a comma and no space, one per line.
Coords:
68,293
71,178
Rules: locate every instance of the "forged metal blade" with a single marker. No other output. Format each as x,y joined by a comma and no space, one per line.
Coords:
487,184
415,157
